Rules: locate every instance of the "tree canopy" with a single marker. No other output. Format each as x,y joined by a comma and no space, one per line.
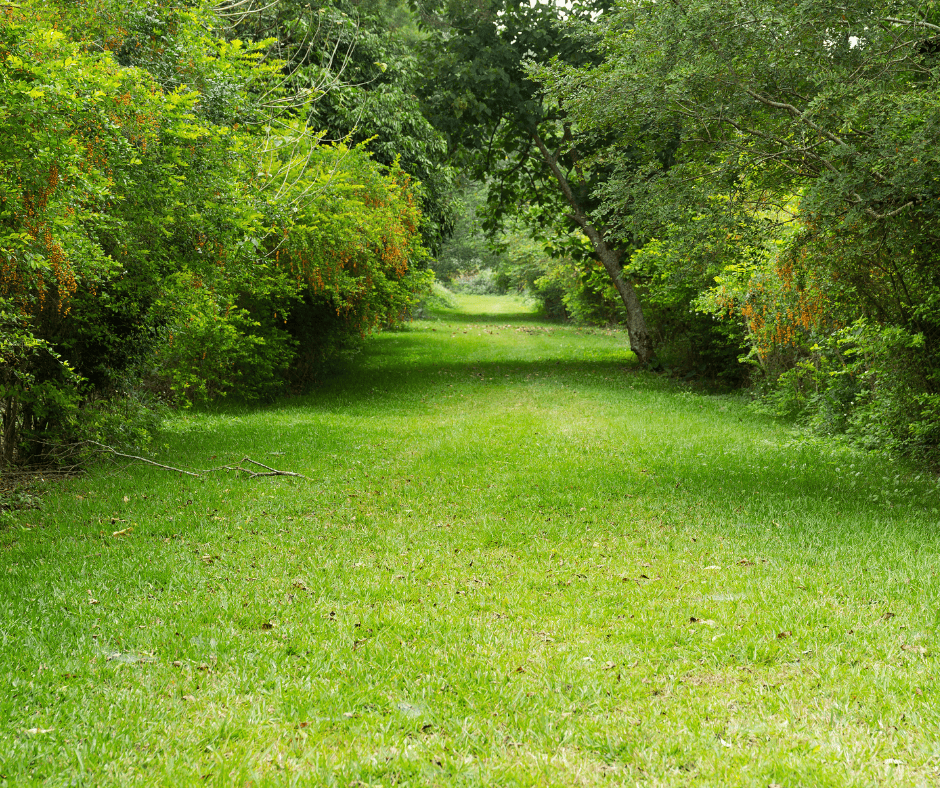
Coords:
805,136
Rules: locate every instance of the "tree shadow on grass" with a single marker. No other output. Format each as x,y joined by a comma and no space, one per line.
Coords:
483,318
425,380
749,477
756,478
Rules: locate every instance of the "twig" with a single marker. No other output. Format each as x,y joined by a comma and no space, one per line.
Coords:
274,471
142,459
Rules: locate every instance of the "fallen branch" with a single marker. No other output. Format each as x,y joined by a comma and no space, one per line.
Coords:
269,471
274,471
116,453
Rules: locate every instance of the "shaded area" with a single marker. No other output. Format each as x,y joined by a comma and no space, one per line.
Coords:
486,318
612,431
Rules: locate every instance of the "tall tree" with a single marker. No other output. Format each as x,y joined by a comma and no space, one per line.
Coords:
836,104
819,121
499,125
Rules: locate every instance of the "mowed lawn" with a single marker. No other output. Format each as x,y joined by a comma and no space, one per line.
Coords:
514,560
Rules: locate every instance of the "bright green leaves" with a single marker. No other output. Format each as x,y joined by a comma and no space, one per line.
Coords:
766,100
350,232
351,73
152,229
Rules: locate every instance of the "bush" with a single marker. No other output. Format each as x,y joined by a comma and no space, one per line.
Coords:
467,249
210,347
869,383
675,270
39,394
526,268
437,298
156,236
480,282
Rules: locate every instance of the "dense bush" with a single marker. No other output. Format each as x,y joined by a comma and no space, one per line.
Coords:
818,361
158,234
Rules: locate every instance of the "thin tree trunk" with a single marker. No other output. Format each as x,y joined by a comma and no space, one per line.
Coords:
9,433
641,342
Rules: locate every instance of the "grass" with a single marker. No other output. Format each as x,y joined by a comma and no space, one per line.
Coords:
517,561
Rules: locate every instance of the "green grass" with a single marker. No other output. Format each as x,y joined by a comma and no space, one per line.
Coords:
517,561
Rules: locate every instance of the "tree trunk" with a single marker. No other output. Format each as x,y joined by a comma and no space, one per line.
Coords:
641,342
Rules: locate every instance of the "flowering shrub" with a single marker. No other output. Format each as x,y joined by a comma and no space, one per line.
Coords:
156,227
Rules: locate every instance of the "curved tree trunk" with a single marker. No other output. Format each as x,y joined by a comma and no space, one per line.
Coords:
641,342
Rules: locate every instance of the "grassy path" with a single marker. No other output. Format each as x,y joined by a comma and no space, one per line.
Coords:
517,562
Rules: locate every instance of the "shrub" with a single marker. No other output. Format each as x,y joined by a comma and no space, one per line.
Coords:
39,393
483,281
153,225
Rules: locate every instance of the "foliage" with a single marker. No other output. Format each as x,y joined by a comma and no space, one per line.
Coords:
867,382
14,500
467,248
483,281
157,225
526,268
353,247
560,274
821,157
436,298
351,70
38,392
676,268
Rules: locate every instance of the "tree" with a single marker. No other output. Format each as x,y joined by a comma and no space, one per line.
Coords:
497,121
353,65
813,125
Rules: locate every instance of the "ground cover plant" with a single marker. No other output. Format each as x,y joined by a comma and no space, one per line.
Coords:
514,560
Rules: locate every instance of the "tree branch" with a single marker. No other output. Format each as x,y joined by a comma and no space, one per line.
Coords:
116,453
200,474
875,215
912,23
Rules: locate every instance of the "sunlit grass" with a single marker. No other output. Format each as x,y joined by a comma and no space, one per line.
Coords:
517,561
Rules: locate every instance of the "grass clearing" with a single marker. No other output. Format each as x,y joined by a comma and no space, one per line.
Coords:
517,561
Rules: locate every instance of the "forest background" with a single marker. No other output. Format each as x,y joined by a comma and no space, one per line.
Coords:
202,199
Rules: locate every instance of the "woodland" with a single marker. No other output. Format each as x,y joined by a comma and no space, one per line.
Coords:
202,200
469,392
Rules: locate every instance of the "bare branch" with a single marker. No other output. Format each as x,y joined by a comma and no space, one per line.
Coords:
116,453
274,471
875,215
912,23
199,474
